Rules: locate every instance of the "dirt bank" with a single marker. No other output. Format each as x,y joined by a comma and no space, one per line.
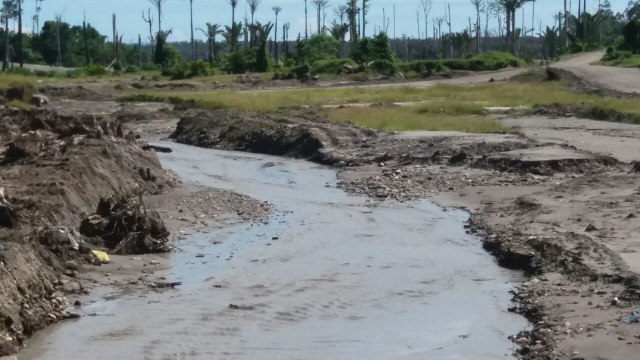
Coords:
563,214
54,170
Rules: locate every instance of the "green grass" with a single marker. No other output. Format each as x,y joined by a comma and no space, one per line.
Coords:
632,61
439,107
411,118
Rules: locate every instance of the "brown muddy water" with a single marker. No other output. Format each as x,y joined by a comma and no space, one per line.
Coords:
328,276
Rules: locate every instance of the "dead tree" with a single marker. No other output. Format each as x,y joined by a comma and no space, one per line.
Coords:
426,10
320,4
158,5
149,20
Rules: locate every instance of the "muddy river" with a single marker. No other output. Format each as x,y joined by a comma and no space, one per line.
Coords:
328,276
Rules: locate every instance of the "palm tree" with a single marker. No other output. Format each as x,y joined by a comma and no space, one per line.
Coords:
339,32
213,30
161,41
232,35
262,63
9,11
276,10
253,7
234,4
510,7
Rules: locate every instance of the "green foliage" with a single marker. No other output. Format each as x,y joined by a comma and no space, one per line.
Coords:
631,33
331,66
494,60
131,69
318,47
188,70
236,62
384,67
96,70
373,49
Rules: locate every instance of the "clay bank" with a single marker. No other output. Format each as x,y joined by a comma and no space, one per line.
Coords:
327,275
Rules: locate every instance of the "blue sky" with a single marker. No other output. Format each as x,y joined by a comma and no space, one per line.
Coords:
176,14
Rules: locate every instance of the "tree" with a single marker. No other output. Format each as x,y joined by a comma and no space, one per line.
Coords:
9,11
276,10
339,32
550,42
306,21
234,4
365,10
149,20
352,15
193,46
162,56
320,4
20,58
262,61
478,5
318,47
253,7
232,35
510,7
212,31
158,5
426,10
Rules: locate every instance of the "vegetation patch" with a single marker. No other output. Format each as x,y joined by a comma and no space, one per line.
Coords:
414,118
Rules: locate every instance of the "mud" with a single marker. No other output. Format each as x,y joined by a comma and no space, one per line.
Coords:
327,275
533,199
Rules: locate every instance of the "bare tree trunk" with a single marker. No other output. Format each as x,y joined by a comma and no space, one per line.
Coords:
193,48
139,51
58,21
5,64
20,57
275,37
86,42
306,20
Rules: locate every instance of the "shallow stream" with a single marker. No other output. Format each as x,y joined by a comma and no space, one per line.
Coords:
328,276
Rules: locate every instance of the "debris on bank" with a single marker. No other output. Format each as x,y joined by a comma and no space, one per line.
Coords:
127,227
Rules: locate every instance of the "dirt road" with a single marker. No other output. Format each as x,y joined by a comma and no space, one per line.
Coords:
623,80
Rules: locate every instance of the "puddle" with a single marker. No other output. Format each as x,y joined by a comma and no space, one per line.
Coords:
327,276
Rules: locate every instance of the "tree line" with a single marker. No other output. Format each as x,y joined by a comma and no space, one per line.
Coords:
251,44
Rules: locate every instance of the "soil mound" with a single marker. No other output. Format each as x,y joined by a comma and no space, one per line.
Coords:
54,169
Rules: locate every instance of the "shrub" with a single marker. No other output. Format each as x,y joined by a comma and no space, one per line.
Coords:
236,62
95,70
199,68
318,47
384,67
301,72
373,49
332,66
131,69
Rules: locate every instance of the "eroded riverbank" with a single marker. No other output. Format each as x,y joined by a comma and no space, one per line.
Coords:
328,275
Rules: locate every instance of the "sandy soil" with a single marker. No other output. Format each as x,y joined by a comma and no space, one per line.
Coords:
623,80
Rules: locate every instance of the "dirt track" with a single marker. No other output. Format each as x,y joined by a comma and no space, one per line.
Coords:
623,80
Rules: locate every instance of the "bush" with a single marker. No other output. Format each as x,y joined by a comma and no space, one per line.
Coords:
318,47
96,70
384,67
613,55
199,68
131,69
301,72
117,66
373,49
20,71
236,62
332,66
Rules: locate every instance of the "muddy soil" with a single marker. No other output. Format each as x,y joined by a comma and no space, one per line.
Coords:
561,211
54,169
327,275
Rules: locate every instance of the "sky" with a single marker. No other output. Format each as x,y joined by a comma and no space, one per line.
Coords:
176,14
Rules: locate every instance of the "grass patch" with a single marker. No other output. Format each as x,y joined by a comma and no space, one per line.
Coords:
442,106
413,118
20,105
